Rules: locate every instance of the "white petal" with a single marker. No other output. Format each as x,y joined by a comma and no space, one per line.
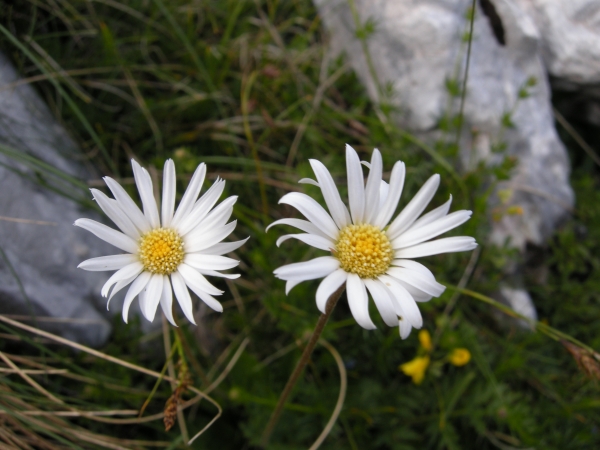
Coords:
394,192
152,293
115,213
142,299
214,273
413,265
136,287
408,307
220,215
418,280
166,300
108,234
431,230
417,294
201,208
384,190
118,286
144,185
312,211
439,246
405,327
414,208
303,225
290,284
112,262
209,262
198,284
382,300
210,301
309,181
128,205
308,270
190,195
356,186
196,280
432,215
310,239
358,301
328,286
168,194
183,296
196,242
336,207
224,247
373,186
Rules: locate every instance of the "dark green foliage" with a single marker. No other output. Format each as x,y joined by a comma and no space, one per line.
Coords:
235,81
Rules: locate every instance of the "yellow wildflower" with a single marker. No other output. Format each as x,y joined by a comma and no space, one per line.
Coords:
425,340
459,356
416,368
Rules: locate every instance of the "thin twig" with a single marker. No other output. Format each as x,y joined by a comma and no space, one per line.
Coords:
463,93
341,396
576,136
326,84
247,83
171,368
229,366
461,285
549,331
304,359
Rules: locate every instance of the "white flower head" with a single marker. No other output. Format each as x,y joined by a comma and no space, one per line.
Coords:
368,252
169,251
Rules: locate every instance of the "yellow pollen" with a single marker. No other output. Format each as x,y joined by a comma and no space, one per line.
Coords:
161,251
364,250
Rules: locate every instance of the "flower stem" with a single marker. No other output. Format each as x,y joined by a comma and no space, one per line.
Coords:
287,390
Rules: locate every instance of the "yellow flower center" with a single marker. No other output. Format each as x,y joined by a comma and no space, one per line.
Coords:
364,250
161,251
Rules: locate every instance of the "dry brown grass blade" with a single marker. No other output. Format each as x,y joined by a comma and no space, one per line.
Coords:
76,88
587,361
229,366
29,380
316,103
116,412
65,373
145,111
34,371
53,425
28,221
120,362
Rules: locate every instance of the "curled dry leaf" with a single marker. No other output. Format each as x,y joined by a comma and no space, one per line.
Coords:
586,360
175,399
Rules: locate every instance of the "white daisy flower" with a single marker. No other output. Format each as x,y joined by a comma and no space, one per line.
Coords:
167,252
369,253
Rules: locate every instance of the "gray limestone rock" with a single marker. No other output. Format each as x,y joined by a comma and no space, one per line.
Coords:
39,243
570,37
417,46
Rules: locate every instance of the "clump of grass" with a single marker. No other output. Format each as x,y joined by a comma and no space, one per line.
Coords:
251,89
